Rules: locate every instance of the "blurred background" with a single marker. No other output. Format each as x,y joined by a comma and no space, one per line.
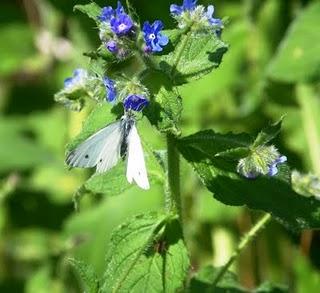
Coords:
42,41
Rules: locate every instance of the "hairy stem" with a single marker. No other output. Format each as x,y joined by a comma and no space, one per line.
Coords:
173,200
243,243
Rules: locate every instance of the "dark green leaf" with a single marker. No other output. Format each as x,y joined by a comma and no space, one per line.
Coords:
194,56
87,275
93,10
147,254
298,57
268,287
271,194
165,108
203,282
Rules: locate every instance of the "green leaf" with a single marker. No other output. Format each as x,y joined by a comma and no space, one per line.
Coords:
270,194
147,254
298,56
206,142
203,282
109,183
267,134
93,10
268,287
165,108
87,275
194,56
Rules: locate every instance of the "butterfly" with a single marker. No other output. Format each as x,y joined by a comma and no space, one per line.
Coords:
104,148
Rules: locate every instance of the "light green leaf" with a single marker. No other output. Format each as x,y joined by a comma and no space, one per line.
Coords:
195,55
147,254
298,56
87,275
270,194
93,10
113,182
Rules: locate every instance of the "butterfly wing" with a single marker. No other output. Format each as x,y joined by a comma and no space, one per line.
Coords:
101,149
136,167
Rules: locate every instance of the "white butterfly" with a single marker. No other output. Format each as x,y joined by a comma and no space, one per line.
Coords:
104,149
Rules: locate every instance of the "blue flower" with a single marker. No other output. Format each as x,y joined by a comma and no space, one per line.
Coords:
135,102
122,24
112,46
154,39
106,13
216,22
187,5
111,89
273,170
78,78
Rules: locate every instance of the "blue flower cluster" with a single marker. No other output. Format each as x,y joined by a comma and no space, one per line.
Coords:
118,31
122,36
132,101
190,12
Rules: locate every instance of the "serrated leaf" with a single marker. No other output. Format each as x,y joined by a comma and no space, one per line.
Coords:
194,56
165,108
203,282
93,10
206,142
147,254
271,194
87,275
298,56
267,134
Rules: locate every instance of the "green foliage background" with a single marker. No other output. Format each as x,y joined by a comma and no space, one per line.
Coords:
272,68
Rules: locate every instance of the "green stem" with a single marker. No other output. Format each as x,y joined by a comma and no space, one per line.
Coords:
173,198
243,243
